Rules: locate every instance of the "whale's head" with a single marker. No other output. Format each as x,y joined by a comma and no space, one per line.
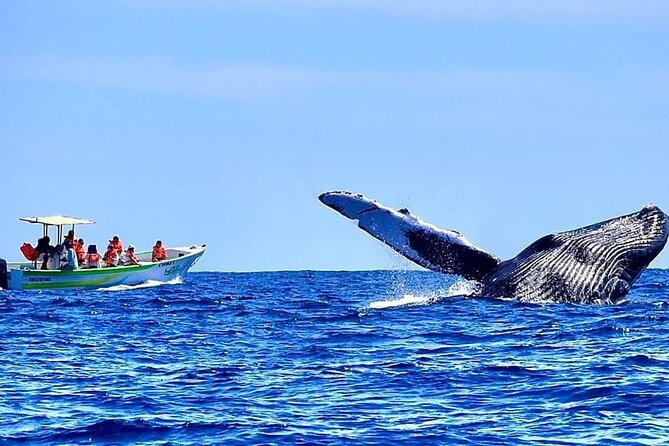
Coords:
631,241
348,204
596,263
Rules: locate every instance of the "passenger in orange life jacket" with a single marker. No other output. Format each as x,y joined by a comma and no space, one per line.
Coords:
92,257
130,258
118,246
158,252
78,246
111,256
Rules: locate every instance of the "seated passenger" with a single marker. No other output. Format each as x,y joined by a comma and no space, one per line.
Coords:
158,252
116,243
111,256
78,246
57,258
53,257
92,257
130,258
70,257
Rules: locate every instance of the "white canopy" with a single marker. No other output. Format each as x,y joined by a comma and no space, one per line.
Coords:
57,220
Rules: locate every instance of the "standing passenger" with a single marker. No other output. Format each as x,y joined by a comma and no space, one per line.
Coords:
69,237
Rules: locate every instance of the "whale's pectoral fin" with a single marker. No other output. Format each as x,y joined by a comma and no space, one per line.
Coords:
428,246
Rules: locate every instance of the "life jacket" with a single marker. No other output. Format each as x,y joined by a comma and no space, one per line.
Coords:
118,246
158,253
29,252
110,257
93,260
79,249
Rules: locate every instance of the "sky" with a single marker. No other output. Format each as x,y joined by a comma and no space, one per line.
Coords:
220,122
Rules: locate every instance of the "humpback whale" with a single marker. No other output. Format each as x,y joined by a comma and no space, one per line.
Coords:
593,264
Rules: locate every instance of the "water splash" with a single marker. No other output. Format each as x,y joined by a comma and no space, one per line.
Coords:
406,300
147,284
459,288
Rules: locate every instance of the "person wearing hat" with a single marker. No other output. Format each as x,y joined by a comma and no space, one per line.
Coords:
70,237
130,258
116,243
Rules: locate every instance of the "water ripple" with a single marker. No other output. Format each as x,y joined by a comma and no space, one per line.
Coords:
327,358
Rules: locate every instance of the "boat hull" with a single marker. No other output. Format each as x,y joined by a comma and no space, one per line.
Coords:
21,278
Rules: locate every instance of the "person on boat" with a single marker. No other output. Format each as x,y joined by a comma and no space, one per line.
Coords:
78,246
43,248
56,257
53,261
118,246
70,257
158,253
70,237
111,256
92,257
130,258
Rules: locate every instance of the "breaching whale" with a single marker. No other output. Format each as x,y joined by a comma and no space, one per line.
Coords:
594,264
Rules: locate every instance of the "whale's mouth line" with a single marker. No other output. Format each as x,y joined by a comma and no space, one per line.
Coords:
366,211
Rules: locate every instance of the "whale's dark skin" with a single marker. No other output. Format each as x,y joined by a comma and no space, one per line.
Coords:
594,264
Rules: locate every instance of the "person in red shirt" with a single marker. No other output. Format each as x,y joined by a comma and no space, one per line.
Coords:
158,252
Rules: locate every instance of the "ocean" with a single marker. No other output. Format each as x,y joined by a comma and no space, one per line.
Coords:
331,358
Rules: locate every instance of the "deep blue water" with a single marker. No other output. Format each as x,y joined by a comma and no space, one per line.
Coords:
331,358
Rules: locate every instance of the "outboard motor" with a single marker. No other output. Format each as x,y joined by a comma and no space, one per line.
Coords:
3,274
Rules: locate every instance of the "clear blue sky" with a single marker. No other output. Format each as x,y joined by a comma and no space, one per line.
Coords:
221,122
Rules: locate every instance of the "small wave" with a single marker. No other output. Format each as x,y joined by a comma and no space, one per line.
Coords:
108,431
646,360
147,284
